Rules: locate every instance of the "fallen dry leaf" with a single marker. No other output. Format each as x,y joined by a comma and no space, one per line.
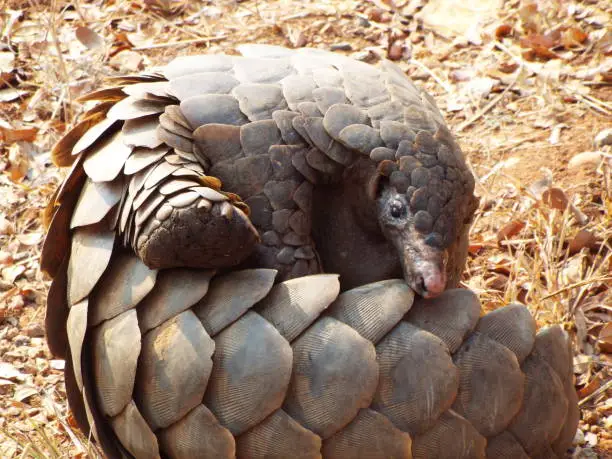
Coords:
11,94
537,40
592,386
582,239
573,37
127,61
498,282
8,371
555,198
503,30
18,163
604,339
509,230
30,239
590,159
89,38
9,135
11,273
22,393
6,227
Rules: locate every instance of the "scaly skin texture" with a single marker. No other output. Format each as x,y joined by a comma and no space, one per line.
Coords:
228,136
287,163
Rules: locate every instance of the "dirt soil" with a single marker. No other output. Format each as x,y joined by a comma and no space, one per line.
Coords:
525,85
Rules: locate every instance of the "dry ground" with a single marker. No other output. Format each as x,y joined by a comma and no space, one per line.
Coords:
526,87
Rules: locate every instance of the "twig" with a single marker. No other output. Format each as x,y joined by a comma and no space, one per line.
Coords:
180,43
577,284
521,62
602,389
60,57
447,87
489,106
598,106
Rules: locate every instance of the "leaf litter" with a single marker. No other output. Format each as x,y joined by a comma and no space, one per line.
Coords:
524,84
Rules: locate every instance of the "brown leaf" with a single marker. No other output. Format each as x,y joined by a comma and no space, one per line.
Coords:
509,230
89,38
605,338
555,198
591,387
377,15
573,37
396,51
475,247
582,239
6,227
18,163
127,61
539,52
539,47
500,264
503,30
498,282
9,135
536,40
508,67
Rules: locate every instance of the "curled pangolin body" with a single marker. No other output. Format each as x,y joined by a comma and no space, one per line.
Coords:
190,201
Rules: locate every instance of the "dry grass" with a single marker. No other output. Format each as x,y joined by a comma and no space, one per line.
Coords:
520,119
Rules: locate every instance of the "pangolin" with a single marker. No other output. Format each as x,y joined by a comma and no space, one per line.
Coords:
223,254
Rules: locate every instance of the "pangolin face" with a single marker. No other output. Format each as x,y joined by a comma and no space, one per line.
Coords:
422,256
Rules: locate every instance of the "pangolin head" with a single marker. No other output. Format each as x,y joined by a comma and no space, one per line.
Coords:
424,201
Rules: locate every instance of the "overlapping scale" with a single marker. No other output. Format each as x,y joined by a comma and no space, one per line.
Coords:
520,338
371,435
452,437
134,433
410,394
252,367
231,295
277,437
175,291
198,434
293,305
544,407
124,284
491,384
173,370
450,316
374,309
334,375
116,347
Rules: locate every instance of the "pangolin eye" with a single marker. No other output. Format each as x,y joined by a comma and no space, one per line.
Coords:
397,209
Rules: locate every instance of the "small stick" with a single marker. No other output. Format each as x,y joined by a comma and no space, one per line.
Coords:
179,43
489,106
602,389
438,80
577,284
